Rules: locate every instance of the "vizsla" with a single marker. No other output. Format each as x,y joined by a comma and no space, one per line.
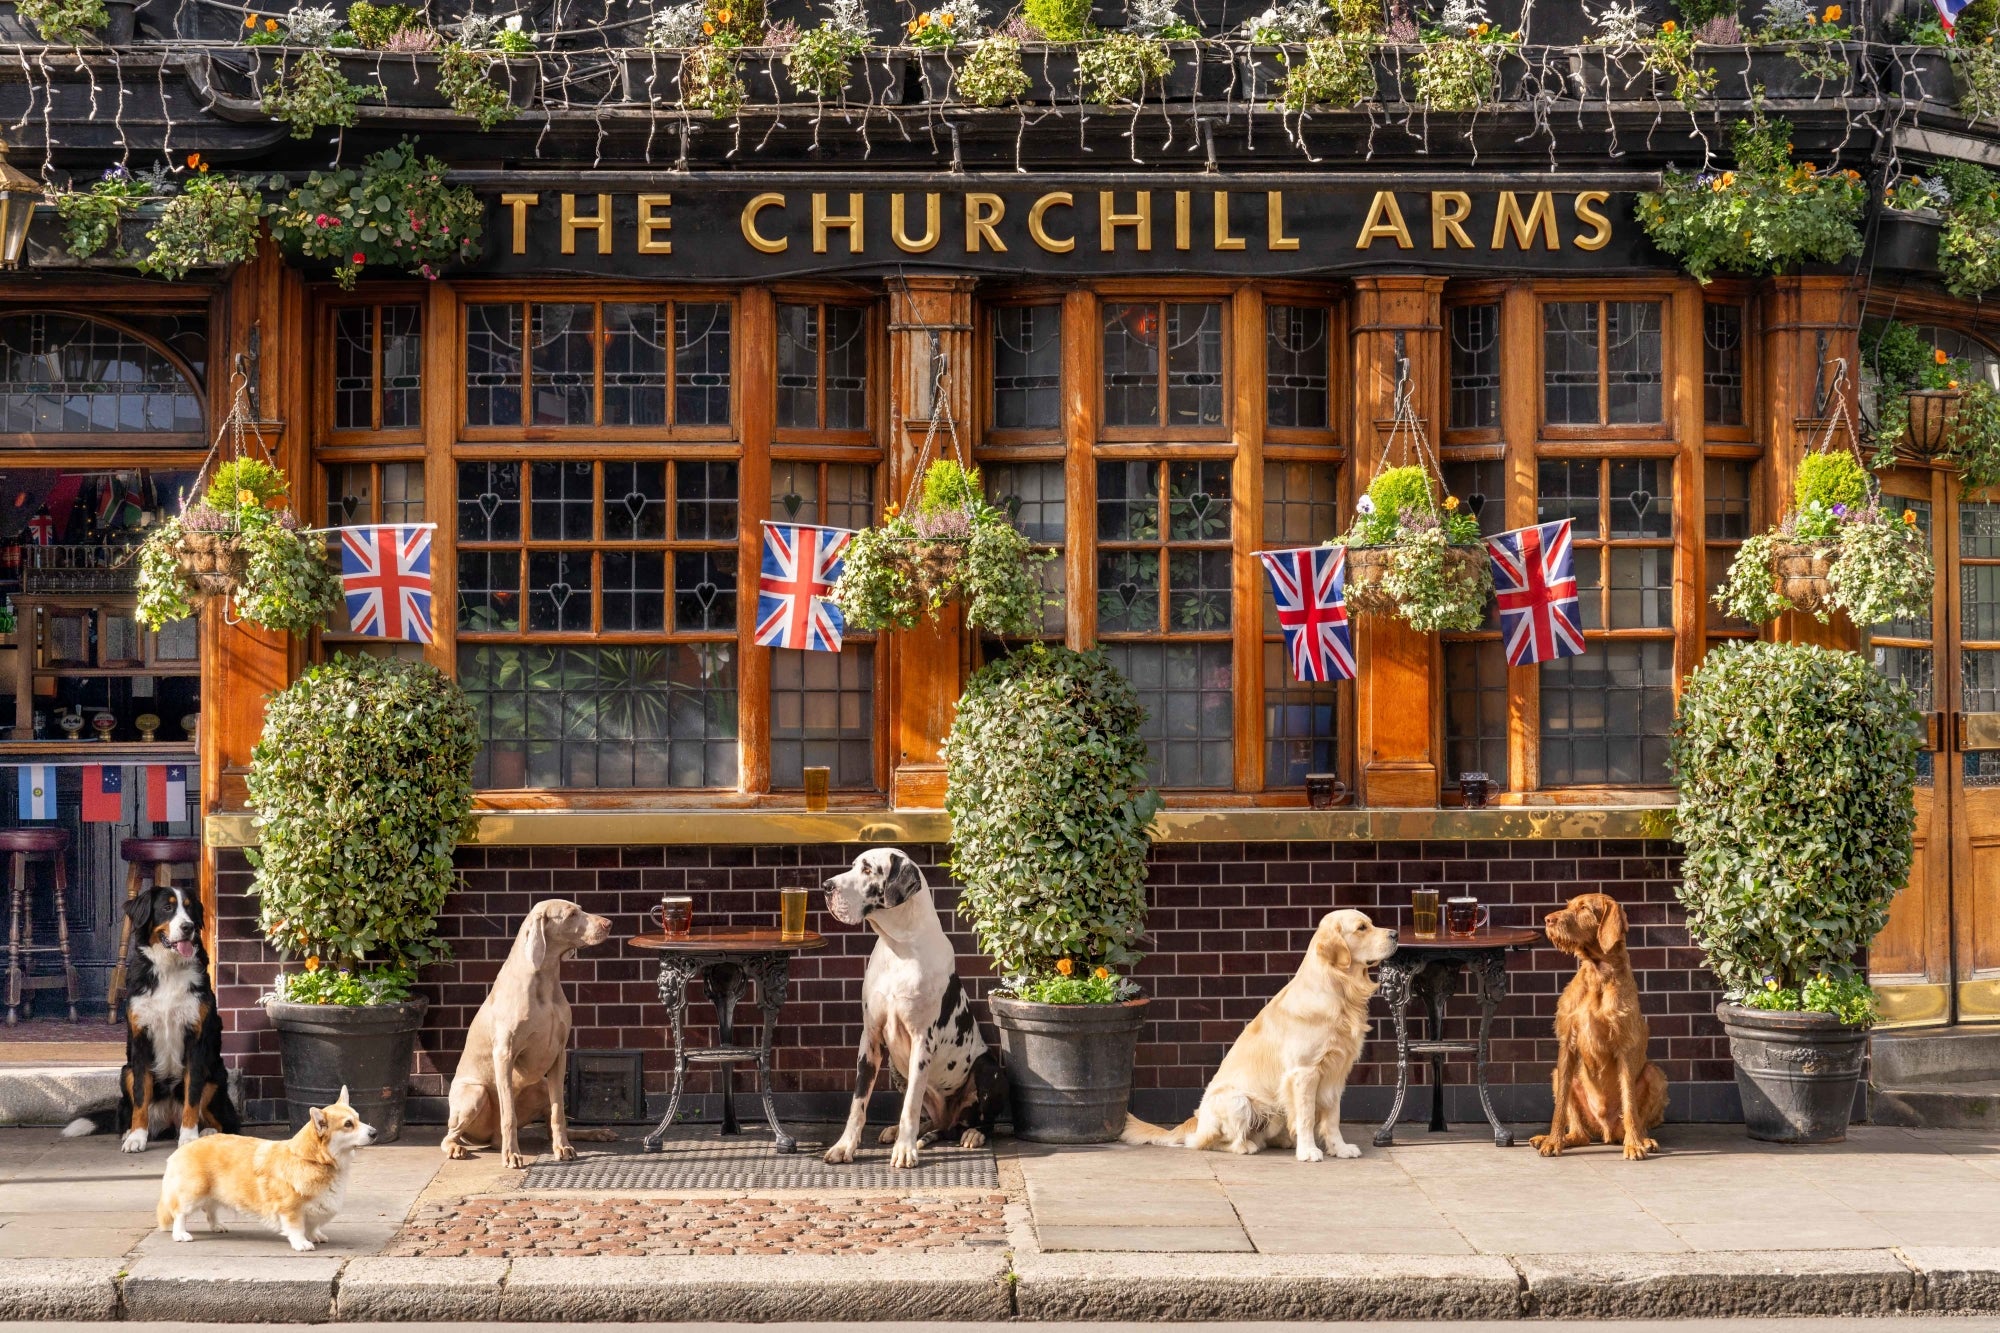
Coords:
1604,1083
517,1052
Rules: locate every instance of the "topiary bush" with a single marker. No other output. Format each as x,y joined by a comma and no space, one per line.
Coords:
1829,479
1046,787
362,782
1796,767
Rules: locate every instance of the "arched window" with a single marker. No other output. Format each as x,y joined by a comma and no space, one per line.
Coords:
63,374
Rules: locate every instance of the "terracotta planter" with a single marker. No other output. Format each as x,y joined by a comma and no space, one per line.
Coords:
1802,574
1932,414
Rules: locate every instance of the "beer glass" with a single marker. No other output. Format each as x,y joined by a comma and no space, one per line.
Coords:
792,914
1424,913
1463,917
817,776
676,916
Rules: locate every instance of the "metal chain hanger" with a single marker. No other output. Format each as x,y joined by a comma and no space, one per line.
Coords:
941,415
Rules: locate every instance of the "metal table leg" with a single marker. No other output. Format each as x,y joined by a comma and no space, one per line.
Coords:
1437,981
773,973
676,970
1393,985
724,982
1492,990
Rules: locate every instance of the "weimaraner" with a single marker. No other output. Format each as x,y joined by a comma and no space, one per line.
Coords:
517,1052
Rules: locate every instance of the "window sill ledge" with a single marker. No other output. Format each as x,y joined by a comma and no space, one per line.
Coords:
625,828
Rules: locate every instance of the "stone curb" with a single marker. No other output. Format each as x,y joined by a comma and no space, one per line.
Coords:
1957,1280
376,1290
1718,1284
758,1288
290,1289
59,1288
1099,1286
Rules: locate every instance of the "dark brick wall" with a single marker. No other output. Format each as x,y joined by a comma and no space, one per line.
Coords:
1229,923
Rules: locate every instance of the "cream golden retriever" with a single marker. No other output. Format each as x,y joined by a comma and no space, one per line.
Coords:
1280,1084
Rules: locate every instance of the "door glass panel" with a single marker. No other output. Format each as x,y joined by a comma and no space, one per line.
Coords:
1913,667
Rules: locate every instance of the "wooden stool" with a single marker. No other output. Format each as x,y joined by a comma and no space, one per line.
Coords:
24,847
151,860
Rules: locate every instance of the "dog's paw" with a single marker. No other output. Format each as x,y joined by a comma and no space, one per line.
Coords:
840,1153
903,1154
189,1135
1548,1145
972,1138
515,1161
135,1141
563,1152
455,1150
300,1243
1346,1151
317,1237
1307,1152
888,1135
1637,1149
182,1233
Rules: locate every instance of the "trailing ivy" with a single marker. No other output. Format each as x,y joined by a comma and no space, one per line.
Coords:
311,93
992,73
1120,68
1335,72
1797,768
462,79
92,219
212,222
1966,197
72,21
1435,573
711,82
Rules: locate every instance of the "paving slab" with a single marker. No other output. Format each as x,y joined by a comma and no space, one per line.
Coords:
1231,1286
59,1288
1145,1239
1718,1283
232,1289
405,1290
1957,1279
758,1288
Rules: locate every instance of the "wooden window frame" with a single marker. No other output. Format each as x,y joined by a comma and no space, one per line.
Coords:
1130,292
1604,431
83,303
873,334
326,360
1457,296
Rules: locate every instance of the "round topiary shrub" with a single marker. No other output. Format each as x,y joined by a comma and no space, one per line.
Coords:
361,782
1046,788
1796,767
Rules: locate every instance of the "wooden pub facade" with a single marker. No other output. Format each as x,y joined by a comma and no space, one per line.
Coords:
1170,335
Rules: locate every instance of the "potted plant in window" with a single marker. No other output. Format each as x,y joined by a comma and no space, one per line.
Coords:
1796,767
1414,553
339,217
362,782
1045,784
955,547
1840,548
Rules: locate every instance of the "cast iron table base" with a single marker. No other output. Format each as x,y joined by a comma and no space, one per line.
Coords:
1430,969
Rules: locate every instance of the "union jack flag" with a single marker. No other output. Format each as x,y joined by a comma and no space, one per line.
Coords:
385,571
1948,12
1310,585
1534,577
801,565
42,527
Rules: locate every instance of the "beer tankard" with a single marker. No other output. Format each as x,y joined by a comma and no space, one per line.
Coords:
1464,917
676,915
1424,914
791,914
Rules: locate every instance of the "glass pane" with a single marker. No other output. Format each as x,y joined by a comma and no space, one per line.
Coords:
489,591
1131,365
489,502
846,368
794,492
493,365
635,364
559,591
1194,365
701,363
704,590
1911,666
1722,364
705,502
1128,592
402,492
850,496
1128,504
62,373
1198,594
1569,362
1482,488
1642,587
562,364
823,712
1589,563
1567,488
1027,367
1716,573
635,502
1198,502
1606,715
798,365
1978,530
1632,360
1186,691
350,494
1726,496
1642,497
1979,602
1296,361
1475,367
1301,504
634,590
560,501
1300,723
1033,496
1919,628
402,366
354,368
1979,691
1475,710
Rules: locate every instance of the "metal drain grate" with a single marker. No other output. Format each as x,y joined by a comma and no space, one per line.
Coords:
702,1162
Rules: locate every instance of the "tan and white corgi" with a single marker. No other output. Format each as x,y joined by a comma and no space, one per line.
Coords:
294,1183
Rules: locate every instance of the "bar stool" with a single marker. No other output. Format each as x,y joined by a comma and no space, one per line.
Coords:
151,860
24,847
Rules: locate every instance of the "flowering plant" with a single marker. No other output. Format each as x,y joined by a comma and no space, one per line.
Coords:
676,27
821,61
1808,35
1120,68
992,75
953,23
1454,68
240,540
91,217
212,222
1070,985
1416,556
395,210
311,92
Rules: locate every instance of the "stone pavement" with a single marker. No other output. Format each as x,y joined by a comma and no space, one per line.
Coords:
1893,1221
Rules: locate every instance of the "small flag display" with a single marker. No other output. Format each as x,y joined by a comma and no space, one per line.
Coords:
801,565
1534,582
386,573
103,794
1948,12
1310,586
38,791
166,793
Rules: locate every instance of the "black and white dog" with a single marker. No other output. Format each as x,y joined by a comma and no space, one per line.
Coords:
913,1012
173,1073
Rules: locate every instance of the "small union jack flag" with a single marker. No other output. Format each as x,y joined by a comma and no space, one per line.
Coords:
1310,585
1534,578
801,565
385,571
1948,12
42,527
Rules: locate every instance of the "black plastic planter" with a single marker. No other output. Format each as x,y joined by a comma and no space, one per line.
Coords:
651,77
363,1048
1907,241
1741,70
1602,74
877,80
411,80
1917,74
122,22
1797,1072
1069,1067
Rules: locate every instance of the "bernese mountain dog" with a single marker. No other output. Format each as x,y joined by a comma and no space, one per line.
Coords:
174,1075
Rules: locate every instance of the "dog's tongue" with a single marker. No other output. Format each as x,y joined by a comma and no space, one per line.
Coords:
185,948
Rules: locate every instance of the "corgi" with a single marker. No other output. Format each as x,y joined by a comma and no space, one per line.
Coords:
295,1183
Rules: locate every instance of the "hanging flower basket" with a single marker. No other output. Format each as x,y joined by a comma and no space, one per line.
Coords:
213,562
1803,571
1367,566
1933,412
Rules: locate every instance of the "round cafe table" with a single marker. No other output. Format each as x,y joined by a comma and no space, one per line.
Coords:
1430,969
725,958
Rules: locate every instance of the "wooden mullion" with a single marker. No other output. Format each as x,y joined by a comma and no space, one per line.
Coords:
440,408
1249,375
599,335
1521,406
753,403
1082,395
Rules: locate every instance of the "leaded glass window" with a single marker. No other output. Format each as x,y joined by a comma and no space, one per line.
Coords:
822,367
1475,367
63,375
377,367
617,363
1297,364
1602,362
1027,367
1163,365
1301,718
1722,363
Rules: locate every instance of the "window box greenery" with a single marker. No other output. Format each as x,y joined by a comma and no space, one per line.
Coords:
362,783
1917,74
1966,200
213,222
1046,788
1797,768
394,212
70,21
1415,555
240,542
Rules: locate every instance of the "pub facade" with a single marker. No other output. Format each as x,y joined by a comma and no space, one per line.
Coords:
1170,334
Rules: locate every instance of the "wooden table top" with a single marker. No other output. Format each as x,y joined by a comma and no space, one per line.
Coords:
1486,937
729,939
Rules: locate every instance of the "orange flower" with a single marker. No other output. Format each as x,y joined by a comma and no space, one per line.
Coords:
1937,355
250,21
1951,384
1668,28
1808,168
1451,503
312,963
1833,13
1065,966
270,25
1909,518
722,16
708,29
947,18
194,161
1103,974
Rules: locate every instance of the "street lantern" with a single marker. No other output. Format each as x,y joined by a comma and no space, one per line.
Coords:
19,193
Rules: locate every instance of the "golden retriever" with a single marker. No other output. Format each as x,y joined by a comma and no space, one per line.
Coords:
1604,1083
1280,1084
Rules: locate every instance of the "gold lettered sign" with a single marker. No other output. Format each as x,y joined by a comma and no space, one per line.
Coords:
709,230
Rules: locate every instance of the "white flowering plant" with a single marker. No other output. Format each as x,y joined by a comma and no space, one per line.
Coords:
1158,19
1288,24
1621,26
676,27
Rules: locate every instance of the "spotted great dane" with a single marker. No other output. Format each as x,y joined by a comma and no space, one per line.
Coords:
915,1013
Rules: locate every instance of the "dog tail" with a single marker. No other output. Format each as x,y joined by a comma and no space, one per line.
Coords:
1141,1131
97,1122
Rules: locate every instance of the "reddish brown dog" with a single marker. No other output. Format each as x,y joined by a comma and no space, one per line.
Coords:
1605,1086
